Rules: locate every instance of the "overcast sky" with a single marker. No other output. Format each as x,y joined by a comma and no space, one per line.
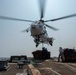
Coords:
14,42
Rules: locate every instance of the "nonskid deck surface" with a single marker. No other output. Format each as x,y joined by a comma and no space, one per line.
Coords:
47,67
13,70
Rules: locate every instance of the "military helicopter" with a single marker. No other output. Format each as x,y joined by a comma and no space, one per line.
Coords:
38,28
39,33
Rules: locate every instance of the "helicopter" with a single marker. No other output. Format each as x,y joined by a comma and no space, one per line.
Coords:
38,28
39,33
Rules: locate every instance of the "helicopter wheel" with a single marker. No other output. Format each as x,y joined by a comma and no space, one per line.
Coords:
51,42
37,44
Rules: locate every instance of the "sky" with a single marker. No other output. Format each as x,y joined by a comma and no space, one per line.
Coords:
14,42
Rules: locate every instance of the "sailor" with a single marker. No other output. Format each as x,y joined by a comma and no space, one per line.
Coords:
61,54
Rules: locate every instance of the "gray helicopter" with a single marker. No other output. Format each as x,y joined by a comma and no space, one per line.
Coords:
38,28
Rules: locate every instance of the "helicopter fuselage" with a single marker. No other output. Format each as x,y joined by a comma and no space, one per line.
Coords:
39,33
38,28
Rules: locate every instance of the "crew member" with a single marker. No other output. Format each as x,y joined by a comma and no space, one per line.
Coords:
61,54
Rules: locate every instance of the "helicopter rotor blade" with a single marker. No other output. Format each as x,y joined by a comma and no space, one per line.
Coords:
53,28
69,16
26,30
42,7
15,19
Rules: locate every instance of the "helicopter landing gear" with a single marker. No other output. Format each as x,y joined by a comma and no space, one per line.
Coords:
36,40
51,43
37,44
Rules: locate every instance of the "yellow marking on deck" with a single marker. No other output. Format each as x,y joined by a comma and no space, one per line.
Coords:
34,70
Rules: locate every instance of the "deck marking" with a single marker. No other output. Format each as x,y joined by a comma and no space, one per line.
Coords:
8,68
34,70
72,68
51,70
68,66
21,74
24,72
55,71
18,74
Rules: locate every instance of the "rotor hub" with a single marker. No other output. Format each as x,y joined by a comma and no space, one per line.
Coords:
41,20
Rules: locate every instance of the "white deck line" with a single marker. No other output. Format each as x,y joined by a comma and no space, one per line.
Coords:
72,68
52,70
33,69
24,73
8,68
68,66
55,71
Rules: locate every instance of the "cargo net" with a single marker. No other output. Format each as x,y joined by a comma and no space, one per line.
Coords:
70,55
41,54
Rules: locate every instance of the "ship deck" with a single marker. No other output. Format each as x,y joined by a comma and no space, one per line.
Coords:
48,67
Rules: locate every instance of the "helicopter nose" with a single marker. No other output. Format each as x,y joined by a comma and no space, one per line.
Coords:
33,27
